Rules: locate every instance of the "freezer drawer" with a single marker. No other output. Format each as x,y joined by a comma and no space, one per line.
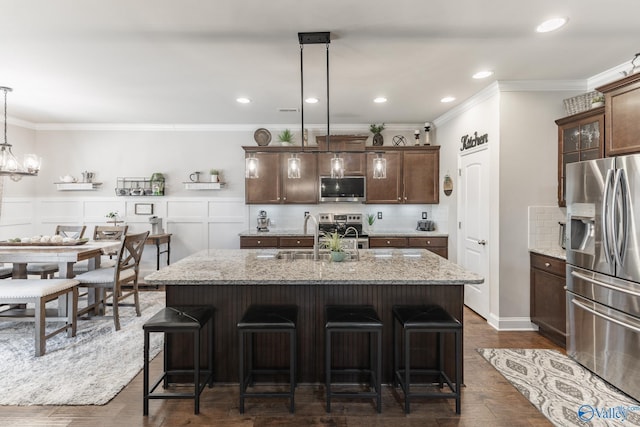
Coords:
605,341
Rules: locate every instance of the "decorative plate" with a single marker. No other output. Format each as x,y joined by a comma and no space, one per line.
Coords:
262,136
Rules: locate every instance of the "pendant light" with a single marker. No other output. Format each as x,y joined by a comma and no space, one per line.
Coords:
251,167
337,166
379,167
9,165
293,167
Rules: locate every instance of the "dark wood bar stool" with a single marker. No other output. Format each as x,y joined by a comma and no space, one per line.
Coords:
426,319
180,319
260,319
355,318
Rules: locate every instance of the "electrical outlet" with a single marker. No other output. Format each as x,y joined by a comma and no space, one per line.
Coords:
424,215
306,213
379,215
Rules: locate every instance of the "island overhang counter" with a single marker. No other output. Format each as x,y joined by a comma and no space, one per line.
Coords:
232,279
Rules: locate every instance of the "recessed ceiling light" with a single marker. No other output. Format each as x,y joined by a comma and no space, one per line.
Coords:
551,25
311,100
482,74
380,100
243,100
448,99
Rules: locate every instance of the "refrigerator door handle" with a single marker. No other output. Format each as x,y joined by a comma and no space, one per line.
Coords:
626,203
604,316
606,202
604,285
619,206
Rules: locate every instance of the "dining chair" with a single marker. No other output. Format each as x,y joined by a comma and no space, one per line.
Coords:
103,232
110,280
47,270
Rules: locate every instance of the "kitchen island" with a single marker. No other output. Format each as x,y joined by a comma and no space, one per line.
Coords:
232,279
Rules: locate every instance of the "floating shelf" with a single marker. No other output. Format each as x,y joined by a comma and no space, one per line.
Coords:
128,186
77,186
203,185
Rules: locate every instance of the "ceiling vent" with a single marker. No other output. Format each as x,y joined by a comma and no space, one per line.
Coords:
288,110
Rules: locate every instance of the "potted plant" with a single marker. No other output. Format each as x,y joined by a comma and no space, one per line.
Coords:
597,101
113,217
377,136
214,175
371,218
334,243
286,137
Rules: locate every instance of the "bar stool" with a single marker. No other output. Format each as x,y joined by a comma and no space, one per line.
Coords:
175,320
267,319
426,319
355,318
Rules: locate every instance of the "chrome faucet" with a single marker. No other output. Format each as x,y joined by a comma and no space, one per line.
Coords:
316,235
355,242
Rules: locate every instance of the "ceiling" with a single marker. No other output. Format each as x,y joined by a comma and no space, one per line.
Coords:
186,61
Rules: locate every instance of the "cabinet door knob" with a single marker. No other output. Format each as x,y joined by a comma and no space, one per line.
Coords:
428,242
405,197
399,198
546,264
388,242
298,241
259,242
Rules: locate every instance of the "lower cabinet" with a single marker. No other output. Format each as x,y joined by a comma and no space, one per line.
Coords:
438,245
548,297
257,242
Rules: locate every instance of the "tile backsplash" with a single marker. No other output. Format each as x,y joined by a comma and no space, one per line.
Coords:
543,226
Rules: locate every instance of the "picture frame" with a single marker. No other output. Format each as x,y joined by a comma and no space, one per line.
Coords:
144,208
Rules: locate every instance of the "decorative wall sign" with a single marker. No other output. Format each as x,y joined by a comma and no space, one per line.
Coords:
144,208
469,142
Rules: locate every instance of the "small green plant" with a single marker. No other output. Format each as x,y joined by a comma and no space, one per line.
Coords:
112,215
598,98
286,136
374,128
334,242
214,172
371,218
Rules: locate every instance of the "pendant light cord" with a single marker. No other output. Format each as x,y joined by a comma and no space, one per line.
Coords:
328,133
5,114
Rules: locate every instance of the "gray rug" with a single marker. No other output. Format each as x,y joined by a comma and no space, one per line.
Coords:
88,369
564,391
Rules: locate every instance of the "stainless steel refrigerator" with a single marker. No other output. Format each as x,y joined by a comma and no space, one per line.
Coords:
603,269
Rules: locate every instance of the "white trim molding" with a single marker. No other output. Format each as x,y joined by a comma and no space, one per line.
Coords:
511,323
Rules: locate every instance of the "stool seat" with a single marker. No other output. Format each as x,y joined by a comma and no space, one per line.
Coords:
176,319
179,317
424,316
352,316
269,316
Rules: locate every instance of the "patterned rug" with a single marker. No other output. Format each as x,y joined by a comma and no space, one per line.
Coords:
564,391
88,369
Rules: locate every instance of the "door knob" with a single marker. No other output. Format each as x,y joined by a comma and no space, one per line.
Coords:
482,242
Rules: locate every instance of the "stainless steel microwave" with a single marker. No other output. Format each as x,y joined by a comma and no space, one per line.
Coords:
345,189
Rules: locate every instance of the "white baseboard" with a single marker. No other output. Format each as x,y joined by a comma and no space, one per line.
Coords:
511,323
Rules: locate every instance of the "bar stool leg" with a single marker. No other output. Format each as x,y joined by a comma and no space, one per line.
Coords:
407,372
458,350
241,371
196,370
379,372
292,369
165,362
211,356
396,356
145,402
440,337
327,368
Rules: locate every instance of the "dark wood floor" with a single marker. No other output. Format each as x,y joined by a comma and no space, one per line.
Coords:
488,399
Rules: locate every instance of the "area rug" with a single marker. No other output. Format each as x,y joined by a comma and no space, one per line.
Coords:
564,391
88,369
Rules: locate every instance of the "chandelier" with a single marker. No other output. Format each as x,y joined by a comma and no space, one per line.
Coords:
9,165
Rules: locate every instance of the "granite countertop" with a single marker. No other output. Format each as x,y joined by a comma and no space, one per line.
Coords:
555,252
277,232
260,266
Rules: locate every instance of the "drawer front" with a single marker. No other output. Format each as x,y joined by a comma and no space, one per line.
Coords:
258,242
550,265
443,252
427,242
296,242
387,242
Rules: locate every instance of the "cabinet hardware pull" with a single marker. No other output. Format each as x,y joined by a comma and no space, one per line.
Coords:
546,264
259,242
388,242
428,242
298,242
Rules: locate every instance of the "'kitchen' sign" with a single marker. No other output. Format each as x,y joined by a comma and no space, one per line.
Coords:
469,141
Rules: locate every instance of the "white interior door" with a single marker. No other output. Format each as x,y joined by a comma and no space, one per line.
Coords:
473,227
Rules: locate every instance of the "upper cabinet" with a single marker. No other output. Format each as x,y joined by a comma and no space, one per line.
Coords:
412,175
622,109
273,186
354,163
580,137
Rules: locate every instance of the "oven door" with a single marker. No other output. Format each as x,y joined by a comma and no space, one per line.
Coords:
606,341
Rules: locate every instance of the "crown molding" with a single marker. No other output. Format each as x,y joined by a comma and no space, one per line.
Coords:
478,98
542,85
608,76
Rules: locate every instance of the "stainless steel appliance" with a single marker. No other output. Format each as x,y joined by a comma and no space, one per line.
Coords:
345,189
156,225
562,234
603,269
349,225
263,221
426,225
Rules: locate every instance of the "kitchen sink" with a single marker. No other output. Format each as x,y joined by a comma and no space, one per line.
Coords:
322,255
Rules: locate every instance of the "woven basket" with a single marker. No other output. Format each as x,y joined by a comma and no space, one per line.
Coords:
580,103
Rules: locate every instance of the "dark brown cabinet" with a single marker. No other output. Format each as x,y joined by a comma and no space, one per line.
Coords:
438,245
412,176
257,242
273,186
622,110
548,297
580,137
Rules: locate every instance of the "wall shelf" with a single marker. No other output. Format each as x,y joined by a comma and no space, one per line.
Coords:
129,186
77,186
203,185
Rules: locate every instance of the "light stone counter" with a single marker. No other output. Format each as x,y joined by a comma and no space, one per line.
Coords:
260,266
555,252
276,232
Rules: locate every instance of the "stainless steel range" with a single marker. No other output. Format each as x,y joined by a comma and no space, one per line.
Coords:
345,224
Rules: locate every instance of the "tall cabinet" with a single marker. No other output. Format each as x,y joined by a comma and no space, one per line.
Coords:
622,104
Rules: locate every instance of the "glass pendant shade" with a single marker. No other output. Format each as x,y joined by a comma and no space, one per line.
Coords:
337,167
251,167
293,170
379,167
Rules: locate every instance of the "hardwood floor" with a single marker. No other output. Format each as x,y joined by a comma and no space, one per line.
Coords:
487,399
